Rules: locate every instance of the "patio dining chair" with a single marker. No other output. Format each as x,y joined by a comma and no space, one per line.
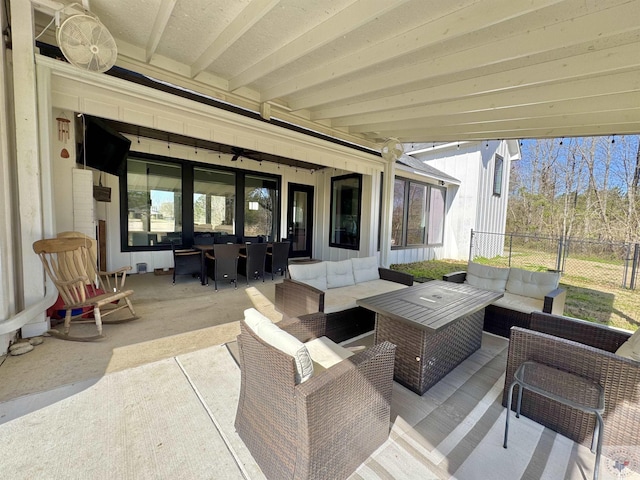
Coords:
278,259
186,262
223,264
65,260
203,239
251,264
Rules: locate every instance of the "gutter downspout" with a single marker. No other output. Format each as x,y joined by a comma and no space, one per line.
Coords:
22,318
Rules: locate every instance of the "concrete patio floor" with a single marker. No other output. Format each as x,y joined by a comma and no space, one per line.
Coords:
174,319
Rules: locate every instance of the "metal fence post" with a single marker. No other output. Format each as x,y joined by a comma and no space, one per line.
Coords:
634,268
625,271
471,247
559,256
510,247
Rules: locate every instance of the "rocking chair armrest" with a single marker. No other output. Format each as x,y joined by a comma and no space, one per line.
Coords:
81,279
115,272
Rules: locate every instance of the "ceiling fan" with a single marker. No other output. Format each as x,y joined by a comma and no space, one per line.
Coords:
237,153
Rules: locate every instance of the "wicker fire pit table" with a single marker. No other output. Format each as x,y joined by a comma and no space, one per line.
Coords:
435,325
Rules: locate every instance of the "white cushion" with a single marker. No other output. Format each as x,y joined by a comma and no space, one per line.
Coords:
532,284
339,274
339,299
631,348
519,303
487,277
326,353
365,269
314,274
270,333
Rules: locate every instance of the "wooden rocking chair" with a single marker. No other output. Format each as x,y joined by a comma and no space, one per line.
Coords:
112,281
67,261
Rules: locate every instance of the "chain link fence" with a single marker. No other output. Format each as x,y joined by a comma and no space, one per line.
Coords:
607,263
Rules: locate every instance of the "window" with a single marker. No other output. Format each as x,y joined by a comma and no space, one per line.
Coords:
166,200
397,220
214,201
497,175
418,214
435,232
154,202
346,196
260,203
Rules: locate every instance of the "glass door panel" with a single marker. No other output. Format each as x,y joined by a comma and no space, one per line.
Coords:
300,219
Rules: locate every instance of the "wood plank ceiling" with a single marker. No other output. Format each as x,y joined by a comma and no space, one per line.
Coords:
418,70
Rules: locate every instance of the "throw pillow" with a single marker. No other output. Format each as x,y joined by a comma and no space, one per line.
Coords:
339,274
365,269
531,284
270,333
314,274
487,277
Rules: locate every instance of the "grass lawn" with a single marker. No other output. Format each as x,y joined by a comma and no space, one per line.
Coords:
587,298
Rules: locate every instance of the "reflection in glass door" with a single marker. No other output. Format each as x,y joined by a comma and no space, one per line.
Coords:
300,219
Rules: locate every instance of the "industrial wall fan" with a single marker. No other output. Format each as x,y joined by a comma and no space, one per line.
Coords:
86,43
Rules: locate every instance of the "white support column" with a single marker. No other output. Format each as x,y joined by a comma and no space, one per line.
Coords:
7,291
31,285
387,209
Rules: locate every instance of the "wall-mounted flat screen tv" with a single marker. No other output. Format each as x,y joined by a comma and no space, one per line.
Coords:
106,149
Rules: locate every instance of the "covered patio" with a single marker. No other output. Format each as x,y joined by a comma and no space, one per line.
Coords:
309,94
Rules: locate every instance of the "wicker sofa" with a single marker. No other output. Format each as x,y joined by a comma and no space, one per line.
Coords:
524,292
333,288
586,349
321,425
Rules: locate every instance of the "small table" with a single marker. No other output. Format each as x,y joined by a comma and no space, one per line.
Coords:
564,387
435,326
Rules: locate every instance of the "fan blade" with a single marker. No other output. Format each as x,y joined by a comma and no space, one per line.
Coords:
77,54
106,56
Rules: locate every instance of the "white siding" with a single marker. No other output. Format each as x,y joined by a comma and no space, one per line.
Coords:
472,205
462,200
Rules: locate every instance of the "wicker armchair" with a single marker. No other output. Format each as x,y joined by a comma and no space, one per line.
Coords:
586,349
322,428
